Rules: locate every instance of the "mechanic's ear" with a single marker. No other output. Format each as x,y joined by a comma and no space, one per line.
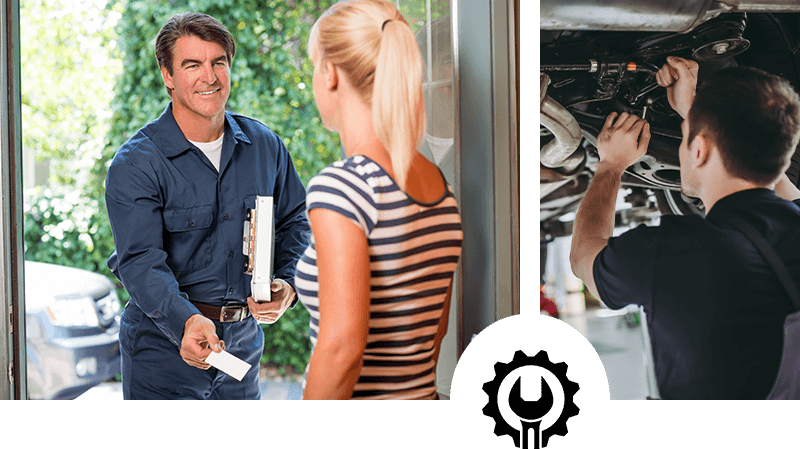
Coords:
167,78
700,150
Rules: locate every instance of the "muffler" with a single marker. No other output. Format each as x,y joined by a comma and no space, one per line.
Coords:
563,151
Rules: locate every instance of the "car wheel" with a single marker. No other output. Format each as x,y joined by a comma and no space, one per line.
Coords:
673,202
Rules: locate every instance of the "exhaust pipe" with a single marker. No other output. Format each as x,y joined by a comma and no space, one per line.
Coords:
561,151
680,16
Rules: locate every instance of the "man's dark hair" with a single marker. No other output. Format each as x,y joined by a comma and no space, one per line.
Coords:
754,119
203,26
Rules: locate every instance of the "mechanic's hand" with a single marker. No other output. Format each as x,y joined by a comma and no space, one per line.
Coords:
679,76
269,312
623,140
199,339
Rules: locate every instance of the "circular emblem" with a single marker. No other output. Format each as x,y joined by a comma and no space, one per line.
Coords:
513,415
508,390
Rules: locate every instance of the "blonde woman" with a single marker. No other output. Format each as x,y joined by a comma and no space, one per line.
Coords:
377,276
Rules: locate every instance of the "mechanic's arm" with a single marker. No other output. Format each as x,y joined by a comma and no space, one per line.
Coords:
134,211
344,286
292,231
291,238
785,189
622,141
679,76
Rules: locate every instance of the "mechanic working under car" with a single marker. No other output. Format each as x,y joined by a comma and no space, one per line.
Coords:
714,305
177,193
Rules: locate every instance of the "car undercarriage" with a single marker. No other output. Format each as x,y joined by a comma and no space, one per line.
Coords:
599,57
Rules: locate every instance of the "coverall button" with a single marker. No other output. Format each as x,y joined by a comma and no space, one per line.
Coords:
191,224
230,253
230,290
224,216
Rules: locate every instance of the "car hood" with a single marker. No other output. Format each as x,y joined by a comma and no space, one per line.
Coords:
46,283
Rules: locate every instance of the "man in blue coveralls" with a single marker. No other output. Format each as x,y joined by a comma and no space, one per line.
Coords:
177,193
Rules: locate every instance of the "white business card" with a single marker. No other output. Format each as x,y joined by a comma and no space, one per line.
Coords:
228,364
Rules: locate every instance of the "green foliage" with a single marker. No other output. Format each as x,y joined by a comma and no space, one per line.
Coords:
65,228
286,342
68,75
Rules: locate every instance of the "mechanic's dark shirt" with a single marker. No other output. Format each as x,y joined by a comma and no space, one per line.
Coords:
178,222
715,308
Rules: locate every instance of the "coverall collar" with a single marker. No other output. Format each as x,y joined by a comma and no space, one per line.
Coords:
172,142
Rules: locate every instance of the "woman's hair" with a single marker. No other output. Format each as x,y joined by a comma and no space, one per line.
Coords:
371,42
180,25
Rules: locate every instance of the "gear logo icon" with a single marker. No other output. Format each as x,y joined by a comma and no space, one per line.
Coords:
546,416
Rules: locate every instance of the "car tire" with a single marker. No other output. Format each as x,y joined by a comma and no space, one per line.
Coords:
672,202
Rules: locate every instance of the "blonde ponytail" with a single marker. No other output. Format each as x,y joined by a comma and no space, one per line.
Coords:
398,111
372,43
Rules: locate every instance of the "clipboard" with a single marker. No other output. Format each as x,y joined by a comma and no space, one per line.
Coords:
258,242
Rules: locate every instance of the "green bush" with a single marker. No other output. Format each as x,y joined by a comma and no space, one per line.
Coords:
286,342
65,228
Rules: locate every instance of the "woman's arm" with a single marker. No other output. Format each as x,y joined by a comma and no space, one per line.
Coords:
344,286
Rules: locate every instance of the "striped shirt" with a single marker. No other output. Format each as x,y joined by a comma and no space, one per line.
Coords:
413,250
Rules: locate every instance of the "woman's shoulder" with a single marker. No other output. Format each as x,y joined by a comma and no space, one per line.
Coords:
357,172
345,187
365,167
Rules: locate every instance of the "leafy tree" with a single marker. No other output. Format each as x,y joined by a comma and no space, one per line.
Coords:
68,72
68,75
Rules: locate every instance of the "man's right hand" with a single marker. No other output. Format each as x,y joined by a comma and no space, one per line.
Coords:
199,339
679,76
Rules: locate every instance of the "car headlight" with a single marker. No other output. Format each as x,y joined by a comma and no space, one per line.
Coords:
108,308
79,312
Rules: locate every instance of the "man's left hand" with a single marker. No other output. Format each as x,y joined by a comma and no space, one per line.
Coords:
268,312
623,140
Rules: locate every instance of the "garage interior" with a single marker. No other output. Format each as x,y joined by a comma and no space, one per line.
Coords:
619,336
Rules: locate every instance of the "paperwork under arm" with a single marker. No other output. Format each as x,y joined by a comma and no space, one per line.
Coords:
259,238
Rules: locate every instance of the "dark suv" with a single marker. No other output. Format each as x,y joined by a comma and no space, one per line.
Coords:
72,327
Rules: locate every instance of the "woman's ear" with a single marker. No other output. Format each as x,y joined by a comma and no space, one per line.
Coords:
331,76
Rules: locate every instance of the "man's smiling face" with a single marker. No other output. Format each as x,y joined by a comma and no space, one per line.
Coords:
200,79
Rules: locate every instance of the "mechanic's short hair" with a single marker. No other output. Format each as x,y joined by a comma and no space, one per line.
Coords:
203,26
754,119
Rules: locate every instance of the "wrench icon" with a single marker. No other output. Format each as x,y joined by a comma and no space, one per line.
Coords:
530,412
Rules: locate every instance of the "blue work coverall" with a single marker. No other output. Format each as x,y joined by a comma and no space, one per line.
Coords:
177,225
